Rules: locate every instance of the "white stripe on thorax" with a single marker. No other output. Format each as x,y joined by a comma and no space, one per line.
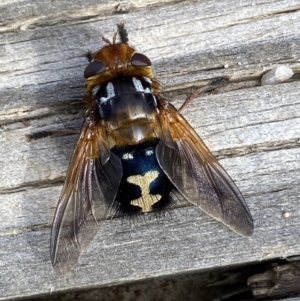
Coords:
110,90
138,85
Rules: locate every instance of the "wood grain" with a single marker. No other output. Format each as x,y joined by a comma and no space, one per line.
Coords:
253,130
276,282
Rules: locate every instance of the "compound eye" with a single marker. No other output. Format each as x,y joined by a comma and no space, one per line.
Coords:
140,60
93,68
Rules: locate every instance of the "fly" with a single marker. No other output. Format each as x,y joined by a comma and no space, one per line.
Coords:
134,154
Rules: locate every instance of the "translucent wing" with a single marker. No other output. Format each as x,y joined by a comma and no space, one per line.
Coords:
90,187
198,175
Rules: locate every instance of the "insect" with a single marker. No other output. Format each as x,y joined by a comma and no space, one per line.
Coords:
134,152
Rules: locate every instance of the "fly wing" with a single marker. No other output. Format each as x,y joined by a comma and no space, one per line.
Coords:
197,174
90,188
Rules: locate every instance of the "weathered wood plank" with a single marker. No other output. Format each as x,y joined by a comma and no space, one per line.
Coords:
254,131
276,282
181,39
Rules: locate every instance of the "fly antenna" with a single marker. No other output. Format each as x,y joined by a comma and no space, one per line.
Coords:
123,33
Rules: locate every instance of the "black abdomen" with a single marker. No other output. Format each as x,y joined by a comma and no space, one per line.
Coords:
144,186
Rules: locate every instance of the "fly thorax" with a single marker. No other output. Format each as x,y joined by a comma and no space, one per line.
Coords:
128,108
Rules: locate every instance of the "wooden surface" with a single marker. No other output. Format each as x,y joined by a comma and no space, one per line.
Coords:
276,282
254,131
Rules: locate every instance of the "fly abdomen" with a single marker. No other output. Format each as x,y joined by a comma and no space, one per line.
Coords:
144,186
